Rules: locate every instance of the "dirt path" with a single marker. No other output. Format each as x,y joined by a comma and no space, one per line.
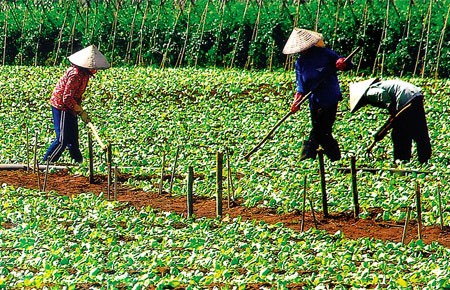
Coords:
352,228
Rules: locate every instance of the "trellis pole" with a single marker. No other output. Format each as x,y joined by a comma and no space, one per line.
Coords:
323,183
219,183
58,44
441,41
190,190
130,34
140,59
424,63
419,211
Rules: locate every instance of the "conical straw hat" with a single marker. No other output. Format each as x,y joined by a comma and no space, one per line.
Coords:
302,39
357,91
89,57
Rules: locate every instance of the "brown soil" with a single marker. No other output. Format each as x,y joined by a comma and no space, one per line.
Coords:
352,228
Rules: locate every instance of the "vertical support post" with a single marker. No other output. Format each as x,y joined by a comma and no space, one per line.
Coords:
354,187
28,147
115,182
323,183
441,217
219,188
35,153
174,168
91,159
46,175
38,175
405,228
108,166
230,179
302,226
312,212
160,189
419,211
190,190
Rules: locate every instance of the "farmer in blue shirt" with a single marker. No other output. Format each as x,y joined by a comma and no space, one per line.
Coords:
315,71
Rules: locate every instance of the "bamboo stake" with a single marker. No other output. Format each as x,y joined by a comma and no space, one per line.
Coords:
115,181
91,159
302,226
46,175
5,29
441,217
35,151
108,165
217,42
383,37
130,35
38,175
313,214
186,37
354,188
230,179
114,30
424,63
28,147
219,187
317,15
441,41
254,35
160,190
419,211
239,35
140,60
166,51
58,44
405,227
323,183
190,189
202,23
174,168
407,29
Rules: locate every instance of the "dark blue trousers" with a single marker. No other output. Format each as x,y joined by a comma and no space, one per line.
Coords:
66,129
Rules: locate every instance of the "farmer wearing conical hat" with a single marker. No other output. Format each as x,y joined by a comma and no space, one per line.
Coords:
404,101
66,102
315,71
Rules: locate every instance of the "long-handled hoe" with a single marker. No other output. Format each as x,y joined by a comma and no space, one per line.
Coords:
305,97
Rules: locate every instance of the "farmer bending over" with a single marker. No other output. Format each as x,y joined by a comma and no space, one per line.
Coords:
404,102
66,102
315,71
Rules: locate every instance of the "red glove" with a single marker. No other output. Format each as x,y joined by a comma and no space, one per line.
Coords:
341,64
296,102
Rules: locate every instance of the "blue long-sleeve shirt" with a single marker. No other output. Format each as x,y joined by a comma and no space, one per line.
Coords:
316,71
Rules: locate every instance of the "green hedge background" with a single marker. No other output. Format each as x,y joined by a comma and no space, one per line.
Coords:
398,37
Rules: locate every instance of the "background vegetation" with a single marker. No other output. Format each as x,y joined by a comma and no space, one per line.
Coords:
403,37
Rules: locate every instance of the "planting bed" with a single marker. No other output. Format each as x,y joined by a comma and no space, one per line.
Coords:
352,228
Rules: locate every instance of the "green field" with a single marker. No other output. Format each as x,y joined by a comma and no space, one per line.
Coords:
145,113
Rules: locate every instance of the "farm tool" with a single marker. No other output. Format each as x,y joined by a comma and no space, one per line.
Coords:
382,132
304,98
96,136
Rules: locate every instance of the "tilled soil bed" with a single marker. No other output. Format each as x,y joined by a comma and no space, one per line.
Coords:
352,228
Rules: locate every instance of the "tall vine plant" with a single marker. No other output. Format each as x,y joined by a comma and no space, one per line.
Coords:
405,37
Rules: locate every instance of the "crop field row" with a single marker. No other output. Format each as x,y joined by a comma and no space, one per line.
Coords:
146,113
49,241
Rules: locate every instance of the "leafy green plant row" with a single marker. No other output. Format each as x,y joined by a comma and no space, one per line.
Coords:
398,37
52,241
146,113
